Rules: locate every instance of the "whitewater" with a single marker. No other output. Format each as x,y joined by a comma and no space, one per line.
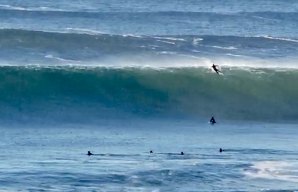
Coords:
123,78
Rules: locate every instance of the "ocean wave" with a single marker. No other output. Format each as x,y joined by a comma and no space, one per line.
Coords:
167,5
91,12
92,45
65,93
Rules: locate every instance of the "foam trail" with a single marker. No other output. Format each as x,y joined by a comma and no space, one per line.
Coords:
274,170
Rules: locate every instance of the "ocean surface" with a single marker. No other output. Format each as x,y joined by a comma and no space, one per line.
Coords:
120,78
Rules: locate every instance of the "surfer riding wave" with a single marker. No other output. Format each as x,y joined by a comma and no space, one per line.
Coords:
215,68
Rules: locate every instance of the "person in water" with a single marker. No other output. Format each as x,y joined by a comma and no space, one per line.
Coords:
151,151
214,67
212,121
181,153
89,153
221,150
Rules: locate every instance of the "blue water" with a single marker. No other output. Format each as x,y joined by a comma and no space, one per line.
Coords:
121,78
258,157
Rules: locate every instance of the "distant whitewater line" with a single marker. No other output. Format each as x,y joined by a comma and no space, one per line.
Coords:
282,39
78,94
88,46
6,7
99,10
229,6
153,18
175,38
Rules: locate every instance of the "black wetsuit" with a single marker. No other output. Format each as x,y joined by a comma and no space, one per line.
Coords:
215,69
212,120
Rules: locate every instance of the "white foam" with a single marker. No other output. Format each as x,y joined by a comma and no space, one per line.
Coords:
226,48
168,42
196,41
165,59
281,39
169,38
242,61
274,170
132,35
84,31
9,7
62,59
19,8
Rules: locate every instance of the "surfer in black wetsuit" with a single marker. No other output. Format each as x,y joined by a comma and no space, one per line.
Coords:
214,67
212,121
89,153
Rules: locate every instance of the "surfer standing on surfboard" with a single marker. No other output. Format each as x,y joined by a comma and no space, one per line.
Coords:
214,67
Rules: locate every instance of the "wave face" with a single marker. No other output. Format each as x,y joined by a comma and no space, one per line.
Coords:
72,94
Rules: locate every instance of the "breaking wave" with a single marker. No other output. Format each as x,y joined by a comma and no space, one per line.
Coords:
88,93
